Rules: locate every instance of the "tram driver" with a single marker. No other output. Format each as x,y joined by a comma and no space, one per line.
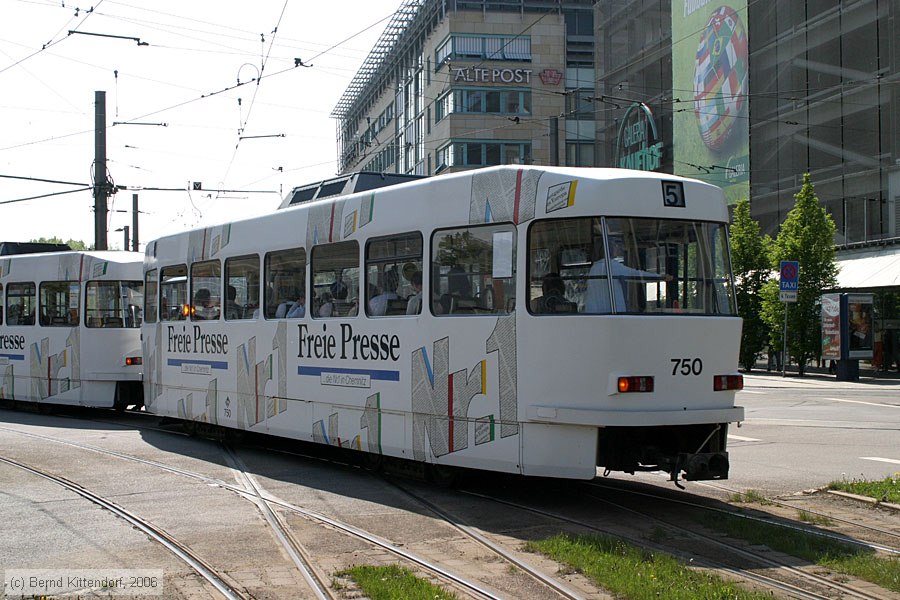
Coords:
597,295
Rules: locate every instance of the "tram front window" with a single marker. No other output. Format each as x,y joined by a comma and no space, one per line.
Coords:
611,265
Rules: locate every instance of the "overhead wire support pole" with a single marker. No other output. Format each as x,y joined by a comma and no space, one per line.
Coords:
101,185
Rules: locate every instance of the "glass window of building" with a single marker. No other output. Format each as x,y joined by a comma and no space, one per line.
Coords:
484,47
479,154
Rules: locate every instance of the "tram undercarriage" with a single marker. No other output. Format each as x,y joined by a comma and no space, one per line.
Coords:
698,451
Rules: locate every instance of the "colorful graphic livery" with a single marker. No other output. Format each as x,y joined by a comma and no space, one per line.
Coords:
70,328
541,321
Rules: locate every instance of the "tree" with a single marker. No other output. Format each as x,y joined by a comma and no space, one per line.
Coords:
73,244
806,236
752,269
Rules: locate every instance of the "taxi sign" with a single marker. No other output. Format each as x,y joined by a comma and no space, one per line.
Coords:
789,283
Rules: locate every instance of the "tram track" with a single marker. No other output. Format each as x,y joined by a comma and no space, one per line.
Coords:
472,533
782,573
249,489
779,521
798,588
252,491
880,531
181,551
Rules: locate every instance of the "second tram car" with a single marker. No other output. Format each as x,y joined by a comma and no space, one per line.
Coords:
70,328
541,321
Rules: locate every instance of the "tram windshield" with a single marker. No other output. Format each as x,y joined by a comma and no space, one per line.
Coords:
609,265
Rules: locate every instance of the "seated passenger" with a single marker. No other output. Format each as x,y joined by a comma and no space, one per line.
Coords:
204,308
298,308
458,288
232,308
326,305
283,307
378,305
554,298
414,306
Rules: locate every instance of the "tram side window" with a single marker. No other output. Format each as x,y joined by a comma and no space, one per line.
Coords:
241,287
473,270
59,303
285,276
1,304
206,286
173,299
114,304
20,299
335,280
150,297
393,266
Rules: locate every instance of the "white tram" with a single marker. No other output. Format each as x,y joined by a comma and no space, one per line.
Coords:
70,328
464,320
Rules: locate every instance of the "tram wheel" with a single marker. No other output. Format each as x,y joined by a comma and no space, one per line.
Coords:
443,476
371,461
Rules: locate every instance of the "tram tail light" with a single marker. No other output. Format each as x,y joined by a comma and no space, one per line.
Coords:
728,382
635,384
131,361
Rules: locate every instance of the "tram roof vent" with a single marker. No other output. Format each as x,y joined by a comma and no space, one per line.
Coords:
344,185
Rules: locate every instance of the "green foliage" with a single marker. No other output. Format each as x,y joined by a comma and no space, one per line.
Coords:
752,269
630,572
886,490
826,551
807,236
394,583
73,244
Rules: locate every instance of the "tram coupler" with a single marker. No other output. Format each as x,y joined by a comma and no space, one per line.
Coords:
702,466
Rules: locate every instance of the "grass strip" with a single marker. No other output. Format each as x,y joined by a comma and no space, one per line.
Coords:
634,573
833,554
394,583
886,490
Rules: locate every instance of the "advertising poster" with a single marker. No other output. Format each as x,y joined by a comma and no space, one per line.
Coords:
860,323
831,327
710,78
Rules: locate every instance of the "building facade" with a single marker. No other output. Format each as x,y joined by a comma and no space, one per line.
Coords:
750,96
455,84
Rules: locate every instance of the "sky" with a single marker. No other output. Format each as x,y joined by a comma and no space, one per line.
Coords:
175,112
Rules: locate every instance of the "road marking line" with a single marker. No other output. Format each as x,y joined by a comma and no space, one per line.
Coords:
879,459
742,439
861,402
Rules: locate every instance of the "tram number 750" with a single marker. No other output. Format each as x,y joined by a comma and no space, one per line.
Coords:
687,366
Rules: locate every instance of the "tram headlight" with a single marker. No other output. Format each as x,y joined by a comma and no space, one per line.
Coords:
728,382
642,383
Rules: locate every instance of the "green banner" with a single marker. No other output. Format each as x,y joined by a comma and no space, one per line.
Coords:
710,74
